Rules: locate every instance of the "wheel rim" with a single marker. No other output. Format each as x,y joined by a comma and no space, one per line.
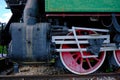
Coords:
117,56
74,62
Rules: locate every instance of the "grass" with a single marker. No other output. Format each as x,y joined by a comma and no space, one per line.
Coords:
3,49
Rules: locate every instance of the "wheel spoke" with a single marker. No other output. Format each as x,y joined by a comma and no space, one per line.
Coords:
88,61
81,65
77,58
96,59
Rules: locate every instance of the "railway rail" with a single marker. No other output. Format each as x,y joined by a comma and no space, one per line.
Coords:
56,76
98,76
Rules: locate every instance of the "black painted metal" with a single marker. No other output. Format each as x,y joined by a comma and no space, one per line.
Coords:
95,45
117,30
5,64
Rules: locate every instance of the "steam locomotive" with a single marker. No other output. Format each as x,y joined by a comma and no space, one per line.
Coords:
80,34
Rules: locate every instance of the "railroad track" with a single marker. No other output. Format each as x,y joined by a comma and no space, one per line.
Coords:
51,75
97,76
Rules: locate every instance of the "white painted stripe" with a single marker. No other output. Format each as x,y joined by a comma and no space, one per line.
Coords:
91,29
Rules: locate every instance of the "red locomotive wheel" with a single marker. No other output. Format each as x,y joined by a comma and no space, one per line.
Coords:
74,62
117,56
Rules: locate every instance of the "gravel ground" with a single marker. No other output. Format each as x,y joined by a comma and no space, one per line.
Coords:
39,70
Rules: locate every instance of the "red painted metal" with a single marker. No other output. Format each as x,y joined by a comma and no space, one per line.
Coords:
74,62
117,56
65,15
